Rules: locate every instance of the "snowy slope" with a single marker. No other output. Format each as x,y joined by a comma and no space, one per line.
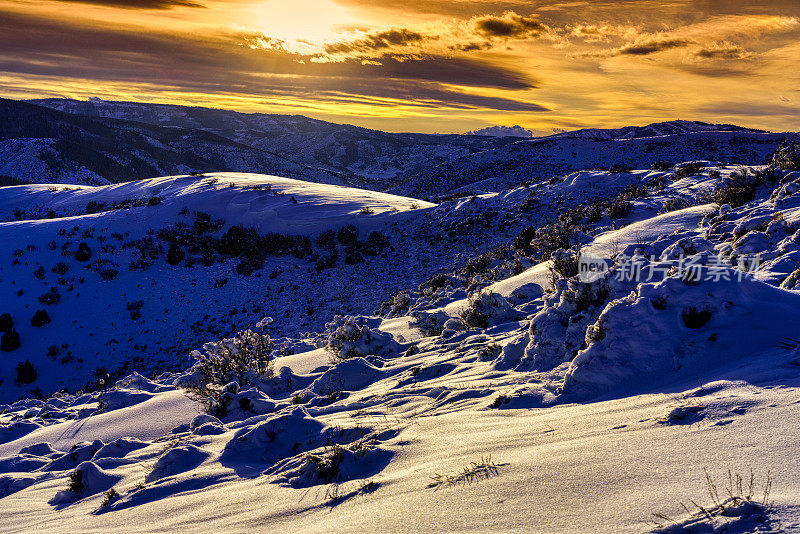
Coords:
658,129
183,306
504,394
542,158
377,158
47,146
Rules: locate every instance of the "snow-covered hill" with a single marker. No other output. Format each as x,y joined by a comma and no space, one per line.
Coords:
41,145
657,129
125,305
495,388
371,158
542,158
421,165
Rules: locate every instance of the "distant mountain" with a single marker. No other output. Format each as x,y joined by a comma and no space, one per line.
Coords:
539,159
657,129
43,145
373,159
96,141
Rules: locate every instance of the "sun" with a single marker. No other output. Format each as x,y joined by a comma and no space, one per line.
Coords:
297,20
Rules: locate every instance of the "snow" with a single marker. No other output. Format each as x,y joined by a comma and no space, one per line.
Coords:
529,401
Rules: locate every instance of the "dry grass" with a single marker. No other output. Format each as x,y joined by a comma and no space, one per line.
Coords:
482,469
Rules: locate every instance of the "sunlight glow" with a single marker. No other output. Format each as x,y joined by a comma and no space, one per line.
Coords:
296,20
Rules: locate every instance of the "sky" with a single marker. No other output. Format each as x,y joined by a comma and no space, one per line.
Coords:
413,65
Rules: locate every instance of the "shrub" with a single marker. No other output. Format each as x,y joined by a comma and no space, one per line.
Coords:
686,170
40,318
203,223
326,239
25,373
486,308
108,273
6,322
109,497
175,254
558,235
353,254
52,297
76,483
619,209
564,264
396,305
524,239
326,466
238,240
245,359
347,235
94,207
9,341
694,318
61,268
351,337
739,505
437,281
135,309
249,265
429,323
620,168
39,273
327,261
740,189
661,165
484,468
376,242
787,156
53,351
674,204
84,253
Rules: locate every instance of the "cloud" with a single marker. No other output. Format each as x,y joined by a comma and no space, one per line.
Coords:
594,33
138,4
723,51
509,25
379,41
191,63
721,37
440,39
652,46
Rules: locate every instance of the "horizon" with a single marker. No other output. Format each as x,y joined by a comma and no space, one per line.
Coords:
534,136
447,66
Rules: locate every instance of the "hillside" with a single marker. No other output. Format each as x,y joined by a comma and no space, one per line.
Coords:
40,145
420,165
494,379
377,158
543,158
132,302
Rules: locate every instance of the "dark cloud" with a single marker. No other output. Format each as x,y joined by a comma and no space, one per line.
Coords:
137,4
723,52
379,41
644,48
472,46
510,25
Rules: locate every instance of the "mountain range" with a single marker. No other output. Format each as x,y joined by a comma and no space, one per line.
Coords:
97,142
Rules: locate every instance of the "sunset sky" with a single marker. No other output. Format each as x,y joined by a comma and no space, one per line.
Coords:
432,66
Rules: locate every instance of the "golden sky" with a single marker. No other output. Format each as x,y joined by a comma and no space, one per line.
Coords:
413,65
